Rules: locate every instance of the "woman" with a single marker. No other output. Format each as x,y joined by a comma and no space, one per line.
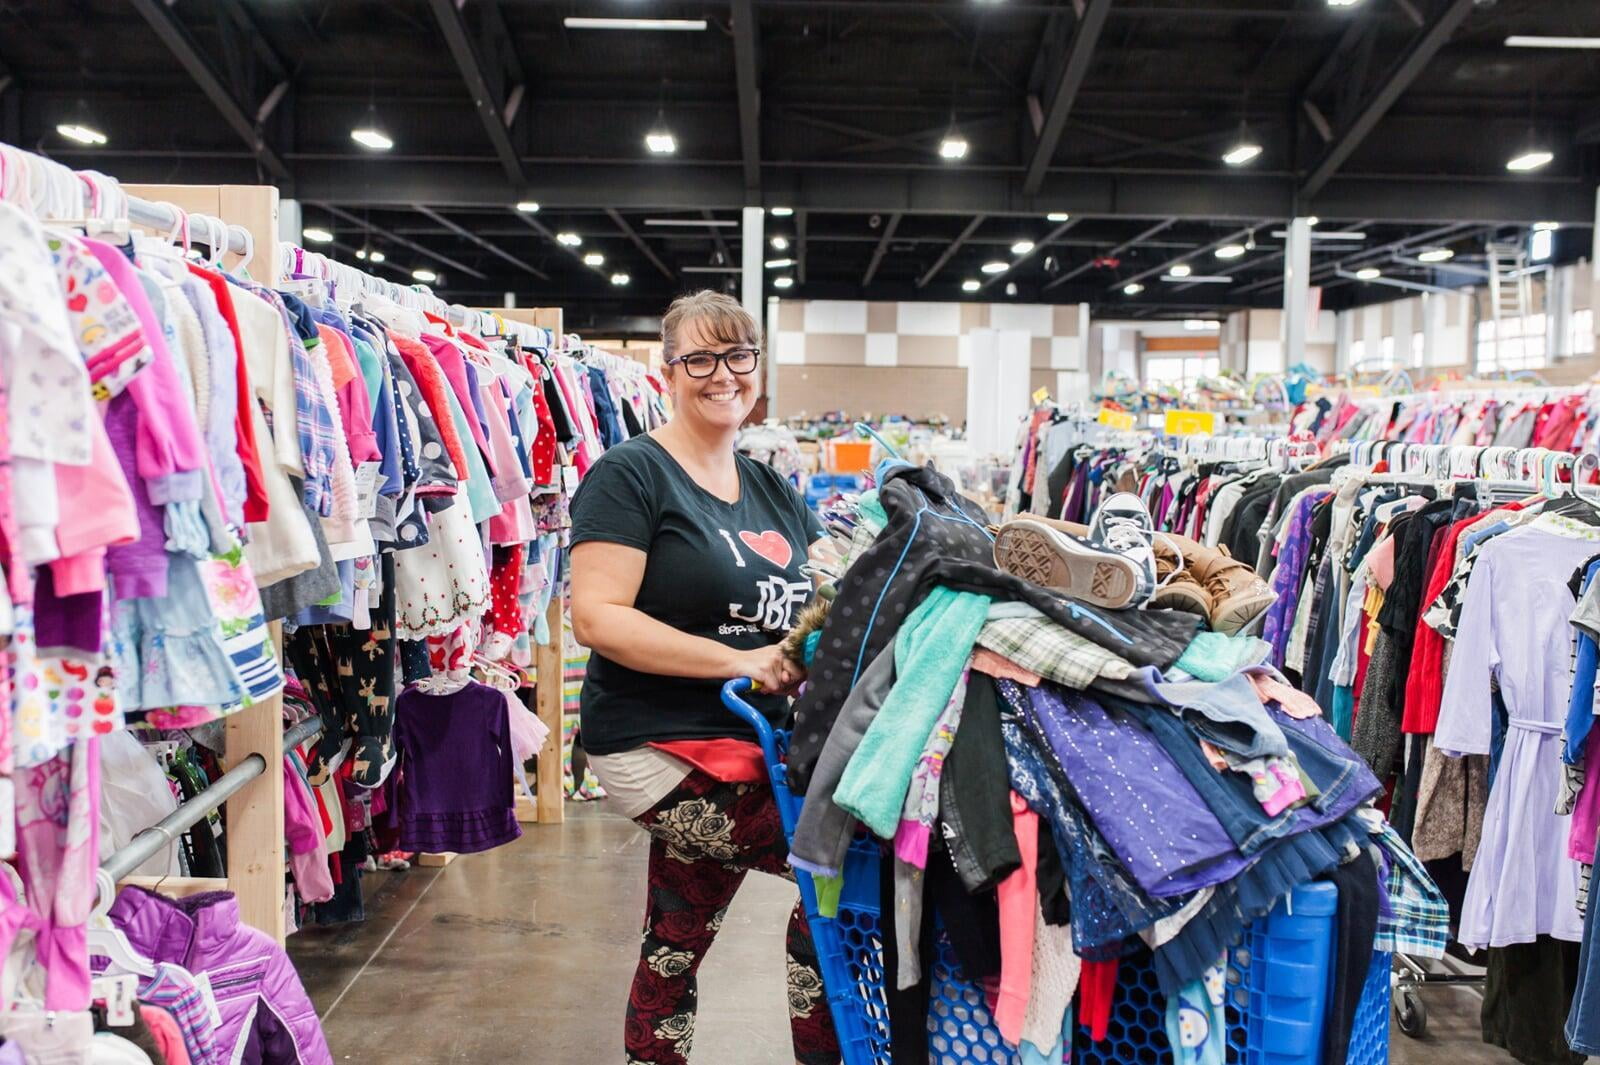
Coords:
686,569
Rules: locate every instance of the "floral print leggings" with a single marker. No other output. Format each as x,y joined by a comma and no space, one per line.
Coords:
705,837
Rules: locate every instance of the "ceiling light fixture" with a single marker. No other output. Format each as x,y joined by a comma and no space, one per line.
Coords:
680,25
1132,289
527,207
1326,234
77,131
1370,273
1230,251
783,282
1198,325
1245,148
1343,3
782,212
995,267
1528,40
971,285
425,275
1022,247
1312,220
953,147
1242,153
694,223
620,279
1057,216
361,253
1180,270
594,258
661,142
1198,279
779,243
569,239
375,256
779,264
1532,159
320,236
1436,255
1551,226
371,138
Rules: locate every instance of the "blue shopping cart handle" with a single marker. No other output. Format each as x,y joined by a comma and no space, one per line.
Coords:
733,694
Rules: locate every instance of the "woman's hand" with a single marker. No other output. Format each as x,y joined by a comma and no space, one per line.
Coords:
770,668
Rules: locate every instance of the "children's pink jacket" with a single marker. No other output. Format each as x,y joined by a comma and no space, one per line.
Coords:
171,454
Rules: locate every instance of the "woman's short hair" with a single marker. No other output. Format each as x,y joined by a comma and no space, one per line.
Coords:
721,318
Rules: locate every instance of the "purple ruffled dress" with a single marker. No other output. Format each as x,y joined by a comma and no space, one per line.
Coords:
455,760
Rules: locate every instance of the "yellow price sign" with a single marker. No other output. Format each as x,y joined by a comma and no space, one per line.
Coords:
1115,419
1040,395
1191,422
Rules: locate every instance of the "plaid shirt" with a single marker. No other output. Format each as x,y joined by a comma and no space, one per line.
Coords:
1040,646
315,424
1418,923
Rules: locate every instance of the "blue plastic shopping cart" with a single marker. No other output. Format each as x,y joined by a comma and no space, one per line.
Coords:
1278,974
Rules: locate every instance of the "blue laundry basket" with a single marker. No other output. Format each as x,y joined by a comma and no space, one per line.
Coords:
1277,981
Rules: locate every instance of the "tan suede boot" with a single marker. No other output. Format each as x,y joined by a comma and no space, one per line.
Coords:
1176,587
1238,595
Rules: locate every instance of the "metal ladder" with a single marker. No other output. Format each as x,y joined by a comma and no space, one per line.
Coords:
1510,298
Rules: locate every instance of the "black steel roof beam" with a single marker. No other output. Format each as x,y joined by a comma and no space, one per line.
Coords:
716,237
1082,268
187,51
638,242
1154,271
1039,245
800,245
881,250
1416,58
1073,70
747,73
635,185
472,238
950,252
1368,254
480,85
405,242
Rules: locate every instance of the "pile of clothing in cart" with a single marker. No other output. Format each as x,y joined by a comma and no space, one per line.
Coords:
1074,783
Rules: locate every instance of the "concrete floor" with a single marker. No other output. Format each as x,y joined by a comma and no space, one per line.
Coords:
524,955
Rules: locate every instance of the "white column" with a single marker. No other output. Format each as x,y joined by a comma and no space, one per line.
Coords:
1296,291
288,221
753,243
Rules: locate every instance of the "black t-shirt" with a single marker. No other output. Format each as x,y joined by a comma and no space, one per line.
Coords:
730,572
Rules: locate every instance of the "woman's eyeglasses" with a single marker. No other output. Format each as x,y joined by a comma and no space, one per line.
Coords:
704,363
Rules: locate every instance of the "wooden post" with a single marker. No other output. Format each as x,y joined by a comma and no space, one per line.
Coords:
254,832
550,660
253,207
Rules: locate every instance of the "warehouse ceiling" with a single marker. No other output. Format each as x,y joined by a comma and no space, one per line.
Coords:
1390,120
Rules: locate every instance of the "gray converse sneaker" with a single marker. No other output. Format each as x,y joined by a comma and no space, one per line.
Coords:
1056,555
1122,524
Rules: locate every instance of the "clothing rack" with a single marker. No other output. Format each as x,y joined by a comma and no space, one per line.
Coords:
549,658
146,843
248,215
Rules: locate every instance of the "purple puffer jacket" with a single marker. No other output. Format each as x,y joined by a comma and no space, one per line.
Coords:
266,1017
